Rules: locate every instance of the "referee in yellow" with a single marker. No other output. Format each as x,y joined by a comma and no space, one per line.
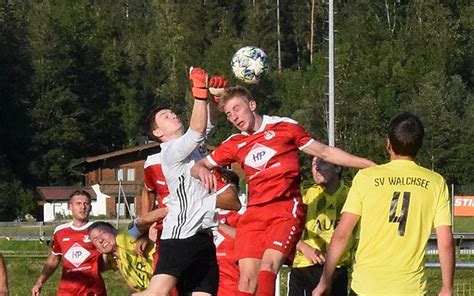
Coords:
397,204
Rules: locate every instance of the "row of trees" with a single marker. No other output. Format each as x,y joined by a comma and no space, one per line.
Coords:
78,77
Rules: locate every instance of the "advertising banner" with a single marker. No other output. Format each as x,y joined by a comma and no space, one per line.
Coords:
463,206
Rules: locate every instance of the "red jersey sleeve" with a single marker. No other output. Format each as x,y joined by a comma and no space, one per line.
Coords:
149,184
224,154
56,249
302,139
222,185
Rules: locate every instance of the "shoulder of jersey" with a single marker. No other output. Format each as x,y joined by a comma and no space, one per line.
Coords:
152,160
278,119
428,172
62,226
70,226
269,120
231,137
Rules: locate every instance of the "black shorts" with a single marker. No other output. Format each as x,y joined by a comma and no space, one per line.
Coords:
192,261
303,281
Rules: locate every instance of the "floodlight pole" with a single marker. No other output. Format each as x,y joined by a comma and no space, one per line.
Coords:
278,35
331,76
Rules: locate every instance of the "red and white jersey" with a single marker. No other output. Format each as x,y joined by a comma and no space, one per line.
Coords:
80,260
155,182
224,243
228,268
154,178
269,158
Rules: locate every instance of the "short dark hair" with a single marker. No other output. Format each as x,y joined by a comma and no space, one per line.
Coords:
80,192
101,225
150,121
232,92
230,176
406,133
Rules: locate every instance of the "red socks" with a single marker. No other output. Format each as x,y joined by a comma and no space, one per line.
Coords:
266,283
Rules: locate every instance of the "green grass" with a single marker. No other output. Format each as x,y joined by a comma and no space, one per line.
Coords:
23,272
464,224
25,259
33,231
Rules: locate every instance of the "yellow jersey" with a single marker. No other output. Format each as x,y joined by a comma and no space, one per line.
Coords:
322,215
399,204
136,270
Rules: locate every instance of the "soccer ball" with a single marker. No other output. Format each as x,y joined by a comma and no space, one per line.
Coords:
250,64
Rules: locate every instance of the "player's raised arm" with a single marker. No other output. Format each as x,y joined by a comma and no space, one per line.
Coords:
200,84
198,121
337,155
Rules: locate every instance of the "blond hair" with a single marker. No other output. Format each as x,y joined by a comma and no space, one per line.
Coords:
232,92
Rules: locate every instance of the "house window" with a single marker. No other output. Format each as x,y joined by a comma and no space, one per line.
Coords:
119,174
130,175
125,174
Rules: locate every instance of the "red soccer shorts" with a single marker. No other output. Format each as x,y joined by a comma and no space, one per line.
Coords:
276,225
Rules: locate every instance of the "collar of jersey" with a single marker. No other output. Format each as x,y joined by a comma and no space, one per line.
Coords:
403,162
85,226
265,120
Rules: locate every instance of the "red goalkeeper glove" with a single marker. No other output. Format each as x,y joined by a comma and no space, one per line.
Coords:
217,85
198,79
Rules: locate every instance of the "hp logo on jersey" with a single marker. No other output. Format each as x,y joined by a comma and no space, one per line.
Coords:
259,156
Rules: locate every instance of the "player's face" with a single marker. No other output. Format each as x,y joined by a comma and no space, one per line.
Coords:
323,172
167,122
80,208
240,112
103,240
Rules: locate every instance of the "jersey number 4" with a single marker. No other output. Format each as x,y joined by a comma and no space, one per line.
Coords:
402,218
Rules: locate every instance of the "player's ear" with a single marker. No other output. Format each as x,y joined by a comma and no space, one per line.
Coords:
157,133
252,105
389,145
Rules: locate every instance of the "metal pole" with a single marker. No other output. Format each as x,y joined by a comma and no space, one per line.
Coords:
118,204
452,208
331,75
278,36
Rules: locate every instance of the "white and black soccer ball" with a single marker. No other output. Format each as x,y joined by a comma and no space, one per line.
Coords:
250,64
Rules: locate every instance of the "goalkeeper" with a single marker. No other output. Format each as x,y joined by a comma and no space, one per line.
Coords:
187,252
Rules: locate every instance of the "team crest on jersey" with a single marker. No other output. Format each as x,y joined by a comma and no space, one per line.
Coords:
76,254
259,156
86,239
268,135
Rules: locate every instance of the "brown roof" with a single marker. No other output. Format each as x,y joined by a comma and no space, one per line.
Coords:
61,193
114,159
121,152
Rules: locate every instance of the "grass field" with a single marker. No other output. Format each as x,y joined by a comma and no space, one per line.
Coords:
25,259
464,224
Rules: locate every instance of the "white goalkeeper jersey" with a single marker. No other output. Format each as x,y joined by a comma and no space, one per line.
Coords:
191,208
